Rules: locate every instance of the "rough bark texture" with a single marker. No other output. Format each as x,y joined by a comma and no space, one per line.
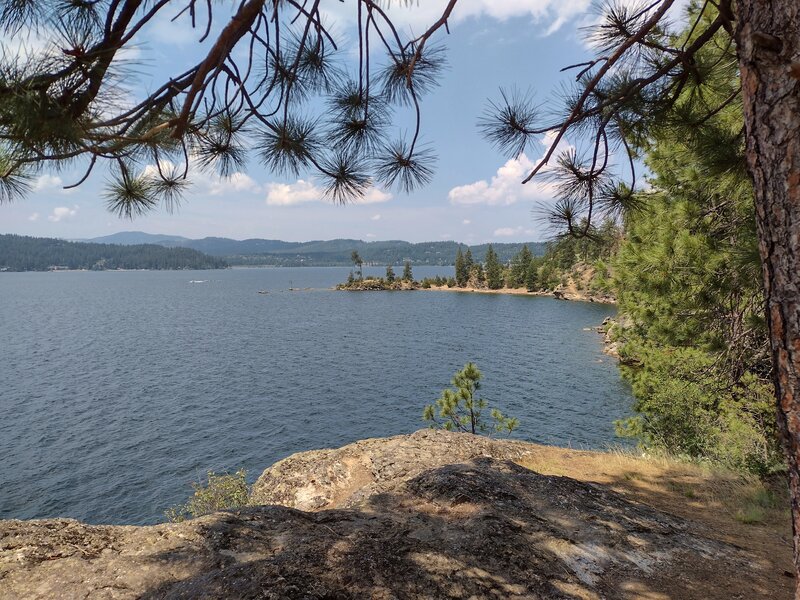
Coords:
768,38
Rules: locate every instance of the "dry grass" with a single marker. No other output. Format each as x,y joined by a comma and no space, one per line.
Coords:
733,508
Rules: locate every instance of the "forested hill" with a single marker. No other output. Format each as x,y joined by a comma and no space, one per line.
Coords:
22,253
323,252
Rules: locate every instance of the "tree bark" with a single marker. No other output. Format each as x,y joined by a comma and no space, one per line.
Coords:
768,41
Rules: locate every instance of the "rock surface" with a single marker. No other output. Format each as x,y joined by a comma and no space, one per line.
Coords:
429,515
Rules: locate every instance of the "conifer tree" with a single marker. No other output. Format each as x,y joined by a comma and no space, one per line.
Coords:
478,274
532,275
462,273
519,267
468,261
358,263
390,276
461,409
407,273
493,270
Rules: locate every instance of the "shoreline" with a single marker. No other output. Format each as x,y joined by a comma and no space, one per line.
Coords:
557,294
377,285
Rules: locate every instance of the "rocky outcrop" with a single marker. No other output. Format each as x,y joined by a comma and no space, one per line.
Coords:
370,284
429,515
348,476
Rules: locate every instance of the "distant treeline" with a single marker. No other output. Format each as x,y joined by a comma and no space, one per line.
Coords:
22,253
337,253
324,253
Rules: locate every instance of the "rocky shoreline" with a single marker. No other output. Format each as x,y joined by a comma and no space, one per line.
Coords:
428,515
380,285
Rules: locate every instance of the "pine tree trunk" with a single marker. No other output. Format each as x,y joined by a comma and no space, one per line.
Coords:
768,38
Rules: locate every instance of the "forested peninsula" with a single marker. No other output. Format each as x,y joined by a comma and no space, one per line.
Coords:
23,253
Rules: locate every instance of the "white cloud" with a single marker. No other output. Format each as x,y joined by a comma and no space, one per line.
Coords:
302,191
466,222
34,217
374,196
289,194
47,182
512,231
506,185
505,232
504,188
209,182
371,235
375,218
62,212
421,15
236,183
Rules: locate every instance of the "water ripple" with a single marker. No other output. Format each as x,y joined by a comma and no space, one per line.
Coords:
120,389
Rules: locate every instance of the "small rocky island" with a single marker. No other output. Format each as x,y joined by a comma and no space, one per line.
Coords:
428,515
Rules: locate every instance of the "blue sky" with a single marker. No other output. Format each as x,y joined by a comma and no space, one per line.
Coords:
474,197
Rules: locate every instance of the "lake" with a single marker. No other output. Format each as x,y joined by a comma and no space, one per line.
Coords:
119,389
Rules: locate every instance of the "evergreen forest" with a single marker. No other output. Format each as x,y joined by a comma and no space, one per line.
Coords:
23,253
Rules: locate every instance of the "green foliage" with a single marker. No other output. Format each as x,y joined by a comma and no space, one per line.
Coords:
519,268
493,269
688,276
469,262
219,492
532,275
22,253
687,409
461,409
462,274
390,276
477,275
408,275
358,263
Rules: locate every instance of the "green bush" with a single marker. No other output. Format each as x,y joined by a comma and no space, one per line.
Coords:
460,408
686,408
220,492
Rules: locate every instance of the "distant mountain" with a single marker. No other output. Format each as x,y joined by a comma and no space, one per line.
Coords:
22,253
130,238
322,252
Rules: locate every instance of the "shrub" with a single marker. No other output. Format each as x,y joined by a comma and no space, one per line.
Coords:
220,492
685,407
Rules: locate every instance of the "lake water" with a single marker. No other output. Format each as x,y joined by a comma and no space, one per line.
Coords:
118,389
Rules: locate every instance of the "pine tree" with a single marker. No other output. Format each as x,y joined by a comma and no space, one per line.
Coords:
468,261
460,408
407,274
390,276
462,273
493,269
358,263
532,275
478,275
519,268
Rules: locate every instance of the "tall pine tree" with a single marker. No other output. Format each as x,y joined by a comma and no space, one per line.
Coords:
493,269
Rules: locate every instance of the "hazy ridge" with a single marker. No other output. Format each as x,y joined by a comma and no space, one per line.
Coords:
319,252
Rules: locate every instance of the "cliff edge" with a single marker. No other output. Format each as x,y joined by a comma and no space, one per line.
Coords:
428,515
